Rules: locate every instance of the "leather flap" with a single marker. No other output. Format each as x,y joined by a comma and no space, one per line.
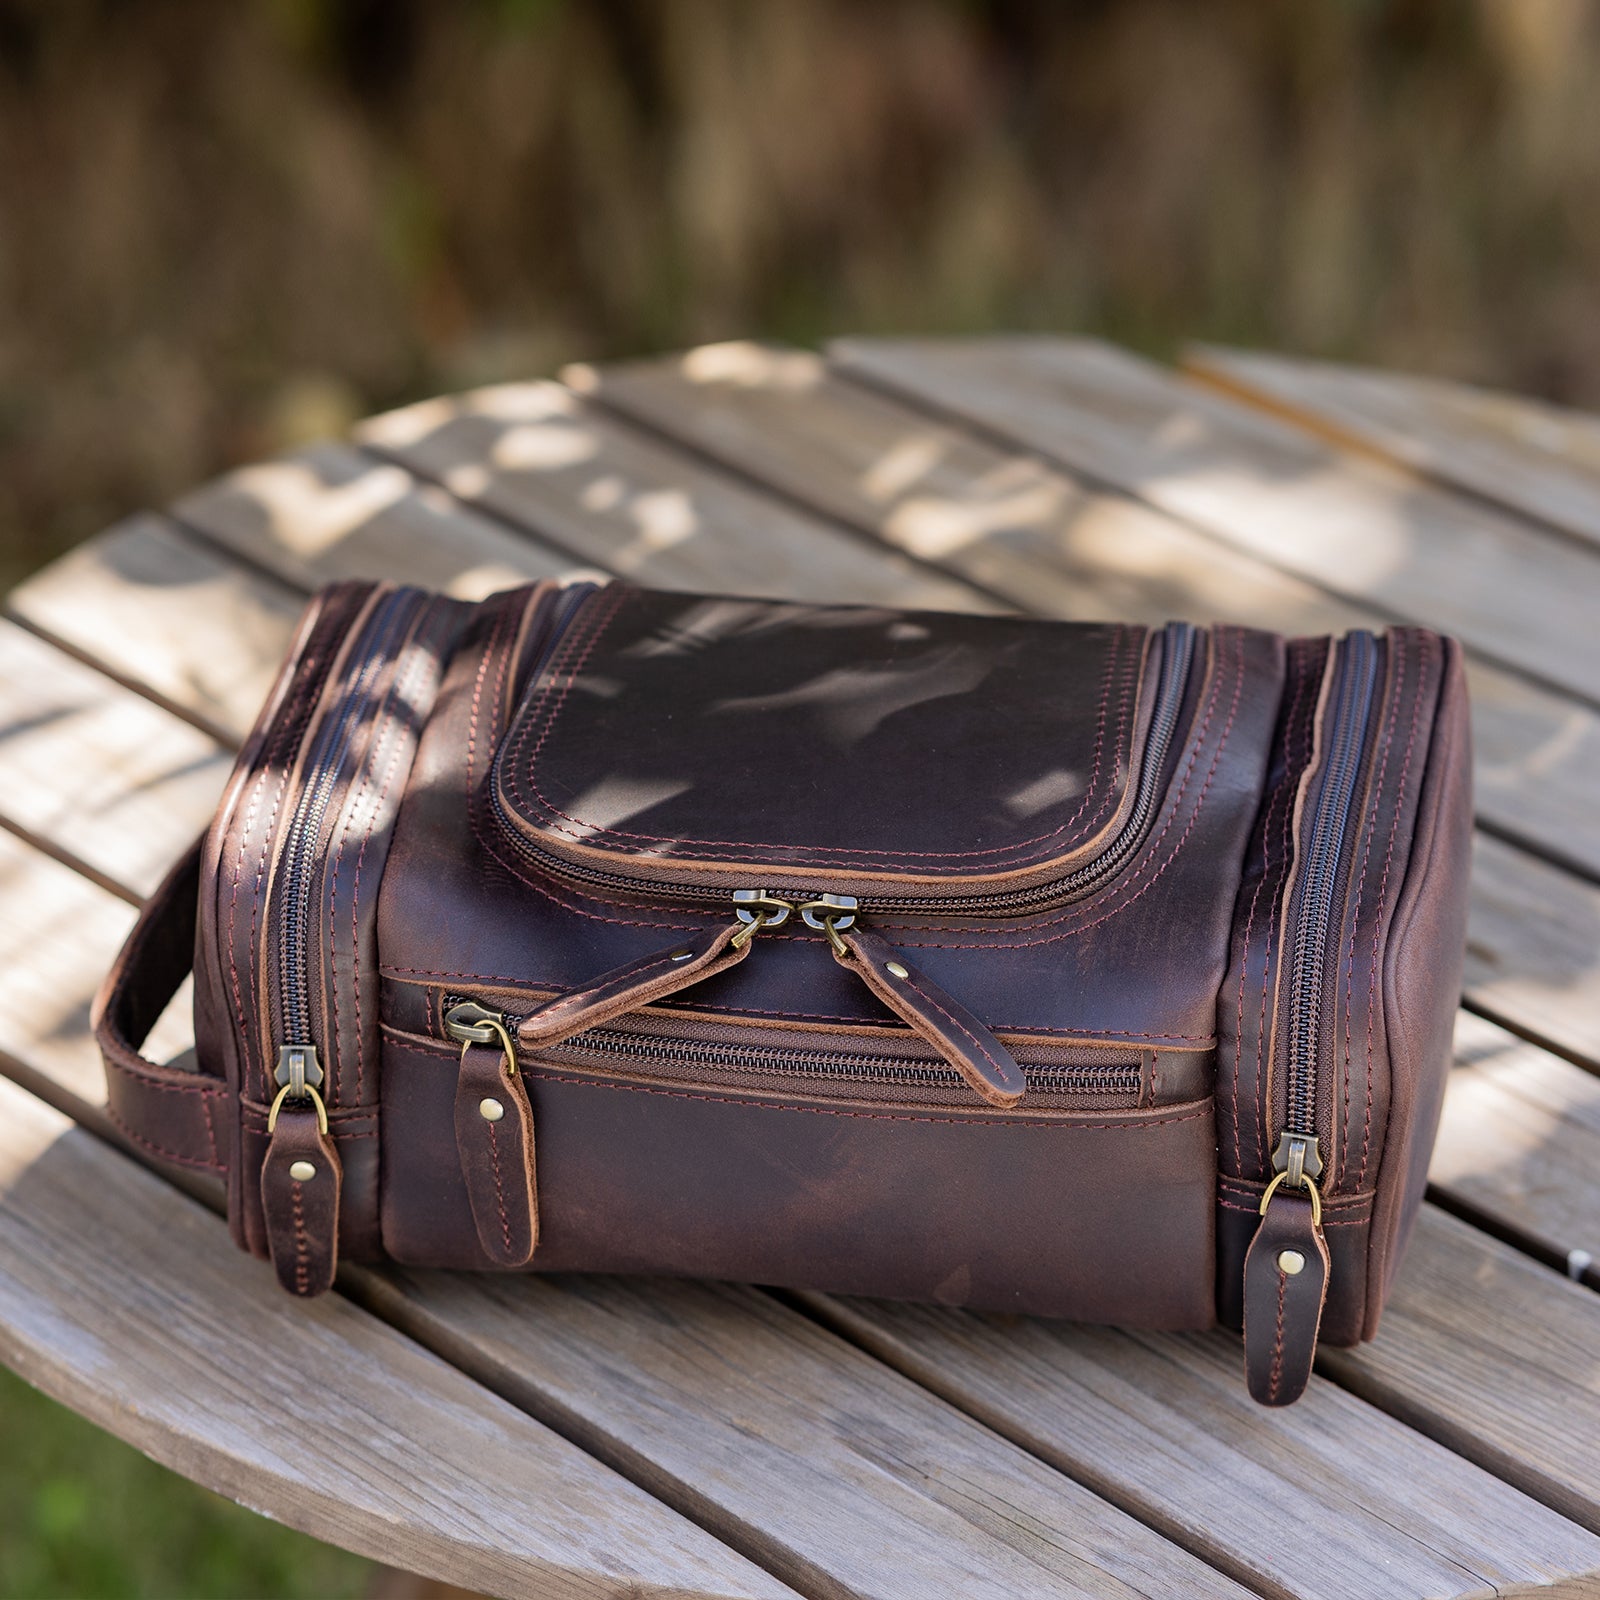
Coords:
752,742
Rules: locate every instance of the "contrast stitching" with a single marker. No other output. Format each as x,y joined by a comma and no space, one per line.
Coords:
706,846
302,1272
499,1189
1185,1042
1369,828
1277,1348
1055,1125
1296,686
1377,927
158,1149
1148,852
1273,944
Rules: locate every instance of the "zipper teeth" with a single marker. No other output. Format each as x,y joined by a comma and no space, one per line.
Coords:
306,824
1322,878
605,1043
1178,644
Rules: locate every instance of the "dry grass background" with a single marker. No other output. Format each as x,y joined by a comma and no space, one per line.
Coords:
226,226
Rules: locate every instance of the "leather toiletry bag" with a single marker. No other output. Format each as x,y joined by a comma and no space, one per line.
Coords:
1085,970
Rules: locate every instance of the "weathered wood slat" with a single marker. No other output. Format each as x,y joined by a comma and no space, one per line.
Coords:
330,512
535,454
101,773
1357,526
919,1488
849,1479
1520,1145
1091,1401
1055,546
153,606
317,1414
1528,456
1459,1358
1533,949
608,1434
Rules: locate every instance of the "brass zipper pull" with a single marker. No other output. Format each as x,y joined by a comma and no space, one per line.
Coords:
494,1135
1285,1285
301,1178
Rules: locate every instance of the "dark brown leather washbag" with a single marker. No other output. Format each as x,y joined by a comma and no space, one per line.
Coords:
1078,969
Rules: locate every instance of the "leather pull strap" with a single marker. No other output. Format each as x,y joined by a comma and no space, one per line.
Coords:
945,1023
494,1138
1285,1286
178,1116
691,960
301,1182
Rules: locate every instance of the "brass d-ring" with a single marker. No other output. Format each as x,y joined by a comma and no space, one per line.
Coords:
316,1100
1305,1183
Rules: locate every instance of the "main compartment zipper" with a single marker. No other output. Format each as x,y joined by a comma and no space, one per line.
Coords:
299,1072
1298,1156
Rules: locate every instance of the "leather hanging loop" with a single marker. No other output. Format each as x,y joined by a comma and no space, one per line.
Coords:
944,1022
494,1138
1285,1288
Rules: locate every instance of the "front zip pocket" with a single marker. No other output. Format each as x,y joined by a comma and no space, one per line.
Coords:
746,1058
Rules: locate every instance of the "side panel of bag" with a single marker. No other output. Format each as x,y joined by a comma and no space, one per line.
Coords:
287,946
1323,1076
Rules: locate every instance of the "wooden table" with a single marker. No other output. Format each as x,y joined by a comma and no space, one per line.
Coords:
595,1437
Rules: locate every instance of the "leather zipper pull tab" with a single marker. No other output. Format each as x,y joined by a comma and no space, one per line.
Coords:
301,1182
1285,1288
494,1138
654,977
945,1023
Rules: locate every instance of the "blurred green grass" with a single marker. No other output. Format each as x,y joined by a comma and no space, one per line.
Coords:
85,1517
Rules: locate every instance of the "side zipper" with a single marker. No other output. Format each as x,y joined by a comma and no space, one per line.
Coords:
301,1175
1286,1267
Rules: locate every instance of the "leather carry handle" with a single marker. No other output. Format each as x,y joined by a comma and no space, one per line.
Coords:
170,1113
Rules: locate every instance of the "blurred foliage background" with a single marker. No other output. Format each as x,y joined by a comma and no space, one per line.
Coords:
226,227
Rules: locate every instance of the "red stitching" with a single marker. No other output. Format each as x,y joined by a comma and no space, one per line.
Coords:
703,847
210,1087
301,1273
1377,927
499,1188
376,810
1277,1348
1116,907
1296,705
157,1149
1055,1125
1363,1221
1273,945
1369,829
1183,1042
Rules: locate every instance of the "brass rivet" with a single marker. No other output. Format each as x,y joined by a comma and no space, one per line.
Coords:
302,1171
490,1109
680,955
1290,1262
896,969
